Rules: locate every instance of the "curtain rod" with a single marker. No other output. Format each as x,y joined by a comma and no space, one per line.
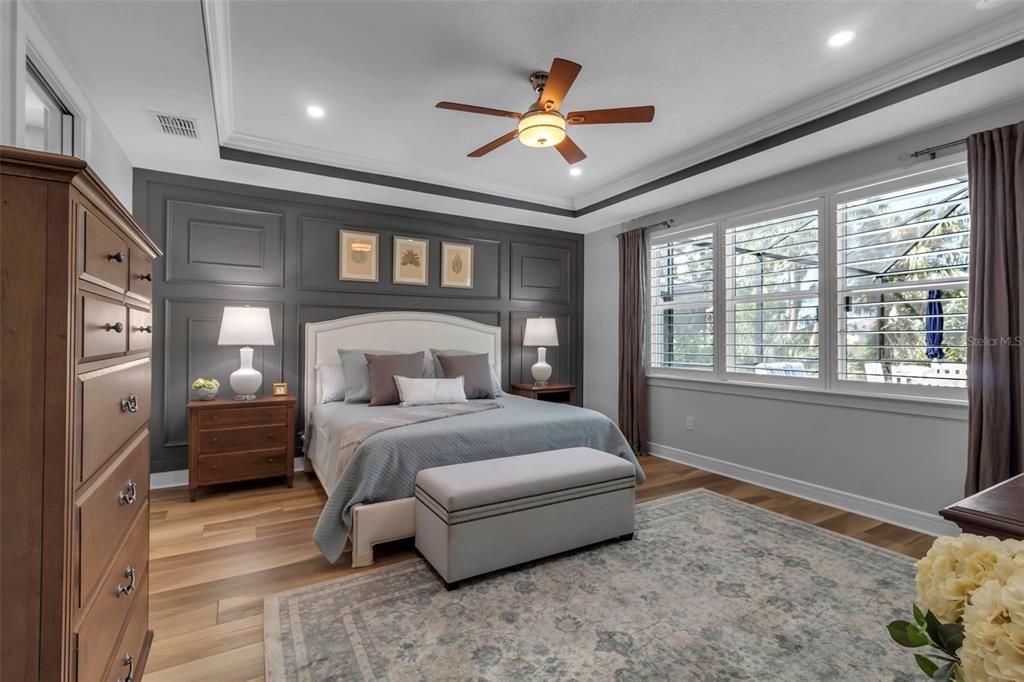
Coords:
668,222
930,151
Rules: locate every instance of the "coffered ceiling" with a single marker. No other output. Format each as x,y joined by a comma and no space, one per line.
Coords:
721,75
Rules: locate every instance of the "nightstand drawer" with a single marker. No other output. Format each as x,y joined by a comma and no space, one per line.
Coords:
238,466
243,416
242,438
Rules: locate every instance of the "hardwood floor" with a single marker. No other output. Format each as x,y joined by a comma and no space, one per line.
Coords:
213,561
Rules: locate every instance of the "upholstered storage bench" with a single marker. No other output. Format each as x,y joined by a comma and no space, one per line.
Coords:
478,517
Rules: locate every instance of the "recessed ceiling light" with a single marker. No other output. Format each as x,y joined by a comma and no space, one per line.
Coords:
314,111
575,171
841,38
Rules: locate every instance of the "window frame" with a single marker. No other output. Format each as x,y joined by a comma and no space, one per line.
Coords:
897,396
36,78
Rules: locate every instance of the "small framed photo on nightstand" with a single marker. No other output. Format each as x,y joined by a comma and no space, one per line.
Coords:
280,389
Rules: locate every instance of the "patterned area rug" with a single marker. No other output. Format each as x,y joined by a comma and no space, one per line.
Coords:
710,589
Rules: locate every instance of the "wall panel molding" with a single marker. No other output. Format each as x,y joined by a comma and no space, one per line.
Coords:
236,244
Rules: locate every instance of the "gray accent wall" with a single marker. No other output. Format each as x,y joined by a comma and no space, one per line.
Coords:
232,244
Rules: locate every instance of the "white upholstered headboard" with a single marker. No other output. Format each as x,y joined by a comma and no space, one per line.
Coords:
403,332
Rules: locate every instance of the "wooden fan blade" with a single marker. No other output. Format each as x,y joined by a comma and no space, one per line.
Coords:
472,109
620,115
494,144
569,151
560,78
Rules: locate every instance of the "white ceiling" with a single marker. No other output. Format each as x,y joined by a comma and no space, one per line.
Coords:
720,74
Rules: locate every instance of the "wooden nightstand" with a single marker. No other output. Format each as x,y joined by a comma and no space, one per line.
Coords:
240,440
552,393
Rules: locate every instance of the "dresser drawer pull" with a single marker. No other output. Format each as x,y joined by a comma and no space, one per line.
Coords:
146,277
118,256
130,404
148,329
127,589
127,496
129,661
116,327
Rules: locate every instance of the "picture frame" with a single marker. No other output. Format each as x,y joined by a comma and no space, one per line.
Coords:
358,256
456,265
280,388
411,261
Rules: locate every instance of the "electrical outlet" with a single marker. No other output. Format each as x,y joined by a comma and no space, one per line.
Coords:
689,423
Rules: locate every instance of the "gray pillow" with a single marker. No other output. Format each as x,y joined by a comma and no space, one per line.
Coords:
439,372
384,368
475,371
357,374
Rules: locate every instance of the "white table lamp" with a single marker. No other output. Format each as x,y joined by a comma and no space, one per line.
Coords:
246,327
541,332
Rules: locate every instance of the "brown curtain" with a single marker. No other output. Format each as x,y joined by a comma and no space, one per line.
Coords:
995,166
632,327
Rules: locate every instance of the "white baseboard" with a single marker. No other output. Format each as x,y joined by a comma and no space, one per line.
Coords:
922,522
179,478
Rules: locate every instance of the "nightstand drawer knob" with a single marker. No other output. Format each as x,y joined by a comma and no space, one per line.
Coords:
116,327
271,459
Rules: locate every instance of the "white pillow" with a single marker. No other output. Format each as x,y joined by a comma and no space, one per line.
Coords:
418,391
332,382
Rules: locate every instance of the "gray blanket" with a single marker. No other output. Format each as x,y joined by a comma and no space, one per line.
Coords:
384,465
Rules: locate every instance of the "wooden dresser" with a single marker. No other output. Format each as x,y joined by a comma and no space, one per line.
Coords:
240,440
75,395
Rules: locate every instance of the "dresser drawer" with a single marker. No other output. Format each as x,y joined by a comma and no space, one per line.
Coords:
243,438
104,328
130,655
140,330
118,592
239,466
245,416
140,275
115,404
104,253
107,511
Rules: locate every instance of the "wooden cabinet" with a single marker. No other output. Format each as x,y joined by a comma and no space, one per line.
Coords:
997,511
552,393
234,440
74,471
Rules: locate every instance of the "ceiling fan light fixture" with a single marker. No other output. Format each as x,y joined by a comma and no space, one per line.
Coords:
541,129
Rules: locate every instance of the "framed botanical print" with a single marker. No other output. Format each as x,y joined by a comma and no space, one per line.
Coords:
358,257
410,261
457,265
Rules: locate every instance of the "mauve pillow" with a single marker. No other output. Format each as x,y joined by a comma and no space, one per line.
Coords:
475,370
384,369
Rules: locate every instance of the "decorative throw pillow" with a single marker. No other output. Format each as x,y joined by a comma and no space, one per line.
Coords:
474,369
384,369
332,382
357,373
418,391
439,371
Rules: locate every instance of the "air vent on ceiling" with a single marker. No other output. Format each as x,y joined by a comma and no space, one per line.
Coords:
177,125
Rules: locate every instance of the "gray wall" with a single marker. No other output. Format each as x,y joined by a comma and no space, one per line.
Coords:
889,452
226,243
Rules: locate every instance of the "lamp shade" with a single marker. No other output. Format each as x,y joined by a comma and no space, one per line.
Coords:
245,326
540,331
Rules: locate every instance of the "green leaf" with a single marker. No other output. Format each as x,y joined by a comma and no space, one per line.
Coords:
946,673
918,615
950,637
907,634
926,664
932,625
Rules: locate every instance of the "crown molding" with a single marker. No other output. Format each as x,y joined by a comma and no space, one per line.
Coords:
972,44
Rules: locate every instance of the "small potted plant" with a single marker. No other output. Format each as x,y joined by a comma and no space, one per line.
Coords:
206,389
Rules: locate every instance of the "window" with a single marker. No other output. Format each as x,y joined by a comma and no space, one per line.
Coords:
682,291
49,124
902,283
772,293
858,290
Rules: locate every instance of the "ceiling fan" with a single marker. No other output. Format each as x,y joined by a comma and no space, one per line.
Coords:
543,125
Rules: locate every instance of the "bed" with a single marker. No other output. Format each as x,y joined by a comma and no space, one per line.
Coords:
370,488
